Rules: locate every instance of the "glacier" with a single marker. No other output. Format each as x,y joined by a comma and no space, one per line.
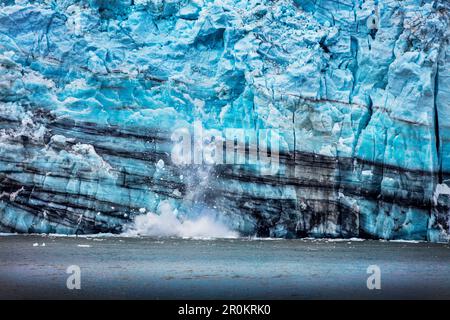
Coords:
92,91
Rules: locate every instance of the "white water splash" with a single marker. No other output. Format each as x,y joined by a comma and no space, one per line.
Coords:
167,224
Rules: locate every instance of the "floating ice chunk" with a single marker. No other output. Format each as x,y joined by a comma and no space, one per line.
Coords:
37,244
405,241
344,240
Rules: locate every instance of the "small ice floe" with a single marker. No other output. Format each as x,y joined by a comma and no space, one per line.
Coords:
357,239
83,246
345,240
255,238
142,210
406,241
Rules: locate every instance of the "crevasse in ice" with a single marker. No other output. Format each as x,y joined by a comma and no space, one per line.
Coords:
358,92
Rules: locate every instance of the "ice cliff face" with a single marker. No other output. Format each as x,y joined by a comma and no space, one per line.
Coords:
91,92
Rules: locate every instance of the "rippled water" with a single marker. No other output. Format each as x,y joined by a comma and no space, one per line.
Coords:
130,267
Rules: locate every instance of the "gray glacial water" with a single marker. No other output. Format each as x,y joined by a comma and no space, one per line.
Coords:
117,267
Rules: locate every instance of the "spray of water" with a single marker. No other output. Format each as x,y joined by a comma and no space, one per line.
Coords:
167,224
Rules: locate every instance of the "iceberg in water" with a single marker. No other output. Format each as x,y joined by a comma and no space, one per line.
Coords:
94,96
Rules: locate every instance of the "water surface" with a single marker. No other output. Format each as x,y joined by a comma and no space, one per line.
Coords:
148,268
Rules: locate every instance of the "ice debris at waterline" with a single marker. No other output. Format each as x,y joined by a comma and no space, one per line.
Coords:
91,92
168,224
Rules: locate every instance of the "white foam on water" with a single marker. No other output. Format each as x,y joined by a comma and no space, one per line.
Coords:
167,224
256,238
406,241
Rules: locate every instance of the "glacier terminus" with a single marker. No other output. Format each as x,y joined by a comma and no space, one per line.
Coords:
356,94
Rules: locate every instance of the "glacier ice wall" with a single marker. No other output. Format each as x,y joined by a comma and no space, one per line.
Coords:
91,92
